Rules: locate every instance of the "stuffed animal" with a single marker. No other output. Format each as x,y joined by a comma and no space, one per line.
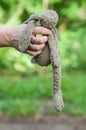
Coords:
50,53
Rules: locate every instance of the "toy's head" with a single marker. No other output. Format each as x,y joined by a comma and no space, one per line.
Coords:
47,19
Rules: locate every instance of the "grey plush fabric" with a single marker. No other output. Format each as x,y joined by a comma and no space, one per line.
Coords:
50,53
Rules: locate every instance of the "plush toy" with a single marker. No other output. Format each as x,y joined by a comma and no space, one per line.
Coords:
50,53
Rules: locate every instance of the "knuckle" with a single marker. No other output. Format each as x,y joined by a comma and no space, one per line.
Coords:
41,40
36,48
33,53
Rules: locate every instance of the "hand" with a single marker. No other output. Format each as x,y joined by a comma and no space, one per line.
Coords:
35,48
38,42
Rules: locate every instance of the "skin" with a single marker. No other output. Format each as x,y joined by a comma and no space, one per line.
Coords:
9,38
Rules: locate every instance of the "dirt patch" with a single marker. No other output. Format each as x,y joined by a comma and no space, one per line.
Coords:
43,122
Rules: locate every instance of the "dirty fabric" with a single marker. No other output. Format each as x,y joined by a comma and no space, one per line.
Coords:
50,53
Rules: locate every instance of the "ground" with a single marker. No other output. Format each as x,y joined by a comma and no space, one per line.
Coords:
43,122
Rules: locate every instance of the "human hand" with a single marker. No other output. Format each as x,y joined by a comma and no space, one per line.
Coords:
38,42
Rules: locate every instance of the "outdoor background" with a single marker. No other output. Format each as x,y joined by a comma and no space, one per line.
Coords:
25,88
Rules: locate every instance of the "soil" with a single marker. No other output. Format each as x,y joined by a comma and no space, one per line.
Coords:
43,122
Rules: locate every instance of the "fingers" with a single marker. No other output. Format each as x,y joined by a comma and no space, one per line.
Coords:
35,47
38,42
41,30
33,53
39,39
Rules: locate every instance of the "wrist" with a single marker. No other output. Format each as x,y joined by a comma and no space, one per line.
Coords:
4,36
14,34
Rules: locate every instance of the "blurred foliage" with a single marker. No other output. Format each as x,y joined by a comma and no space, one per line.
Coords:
27,96
17,66
72,28
73,49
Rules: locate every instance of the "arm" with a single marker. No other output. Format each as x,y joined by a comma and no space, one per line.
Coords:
4,36
9,38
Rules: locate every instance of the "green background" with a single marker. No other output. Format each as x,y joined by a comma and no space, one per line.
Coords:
26,88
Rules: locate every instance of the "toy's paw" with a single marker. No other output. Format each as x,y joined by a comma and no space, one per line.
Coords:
58,102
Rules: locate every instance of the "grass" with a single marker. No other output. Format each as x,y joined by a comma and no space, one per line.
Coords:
74,87
24,96
25,88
